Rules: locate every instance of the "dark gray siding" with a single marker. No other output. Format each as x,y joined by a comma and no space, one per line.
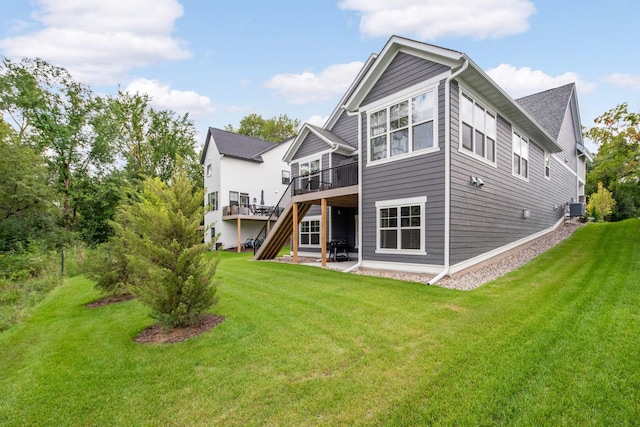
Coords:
418,176
347,129
311,144
489,217
404,71
343,226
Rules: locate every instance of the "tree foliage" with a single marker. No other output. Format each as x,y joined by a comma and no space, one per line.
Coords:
275,129
149,141
27,212
617,164
167,255
75,152
601,203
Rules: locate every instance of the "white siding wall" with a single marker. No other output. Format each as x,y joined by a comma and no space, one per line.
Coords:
251,178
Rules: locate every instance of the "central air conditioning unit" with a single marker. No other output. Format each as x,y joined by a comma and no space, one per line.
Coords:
576,209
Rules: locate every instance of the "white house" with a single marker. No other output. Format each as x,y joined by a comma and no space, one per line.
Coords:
244,178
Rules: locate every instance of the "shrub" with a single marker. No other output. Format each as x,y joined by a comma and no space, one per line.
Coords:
166,250
108,265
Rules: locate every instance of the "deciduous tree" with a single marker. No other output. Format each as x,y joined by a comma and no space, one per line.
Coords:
275,129
617,164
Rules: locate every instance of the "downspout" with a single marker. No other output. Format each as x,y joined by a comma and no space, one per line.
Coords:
447,172
359,263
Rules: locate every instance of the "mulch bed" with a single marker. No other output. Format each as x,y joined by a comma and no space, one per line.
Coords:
156,334
110,299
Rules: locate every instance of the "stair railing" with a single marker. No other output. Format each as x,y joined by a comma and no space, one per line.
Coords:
340,176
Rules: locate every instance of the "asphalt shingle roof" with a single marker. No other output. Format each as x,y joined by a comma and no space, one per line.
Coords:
239,146
548,108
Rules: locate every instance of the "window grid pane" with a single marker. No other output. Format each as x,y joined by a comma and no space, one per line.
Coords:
388,128
478,128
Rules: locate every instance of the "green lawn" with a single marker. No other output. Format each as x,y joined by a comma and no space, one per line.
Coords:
556,342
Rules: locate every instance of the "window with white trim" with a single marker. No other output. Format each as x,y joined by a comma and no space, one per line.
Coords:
547,165
209,170
400,225
212,201
477,129
309,232
520,155
404,127
309,174
286,177
233,198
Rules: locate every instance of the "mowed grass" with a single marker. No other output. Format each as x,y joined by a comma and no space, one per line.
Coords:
556,342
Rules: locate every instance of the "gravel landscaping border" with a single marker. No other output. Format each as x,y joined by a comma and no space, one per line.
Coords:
477,275
491,269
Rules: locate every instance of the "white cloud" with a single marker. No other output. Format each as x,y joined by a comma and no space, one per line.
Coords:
309,87
99,42
519,82
317,120
165,98
431,19
624,80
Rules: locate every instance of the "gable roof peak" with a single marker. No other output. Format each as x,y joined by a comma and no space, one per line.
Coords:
236,145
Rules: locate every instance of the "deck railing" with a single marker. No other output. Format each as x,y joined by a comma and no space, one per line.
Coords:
326,179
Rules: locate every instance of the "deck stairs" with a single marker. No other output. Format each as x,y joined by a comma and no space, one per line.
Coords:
280,232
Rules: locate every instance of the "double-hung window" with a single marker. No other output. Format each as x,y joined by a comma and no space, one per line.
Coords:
520,155
404,127
310,174
401,226
310,232
286,177
478,129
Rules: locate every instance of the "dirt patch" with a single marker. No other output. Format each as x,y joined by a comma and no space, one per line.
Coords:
110,299
156,334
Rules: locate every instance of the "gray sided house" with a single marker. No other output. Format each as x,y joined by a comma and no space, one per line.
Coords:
427,165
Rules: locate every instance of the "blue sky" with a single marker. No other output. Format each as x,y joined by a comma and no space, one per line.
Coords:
222,60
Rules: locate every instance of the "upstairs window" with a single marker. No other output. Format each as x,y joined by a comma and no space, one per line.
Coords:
520,155
403,128
478,129
233,198
209,170
547,165
244,200
212,201
286,177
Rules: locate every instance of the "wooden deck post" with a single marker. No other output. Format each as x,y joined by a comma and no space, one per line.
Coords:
323,231
239,235
295,233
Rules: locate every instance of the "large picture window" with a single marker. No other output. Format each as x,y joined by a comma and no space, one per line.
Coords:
401,225
310,232
403,128
520,155
477,129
